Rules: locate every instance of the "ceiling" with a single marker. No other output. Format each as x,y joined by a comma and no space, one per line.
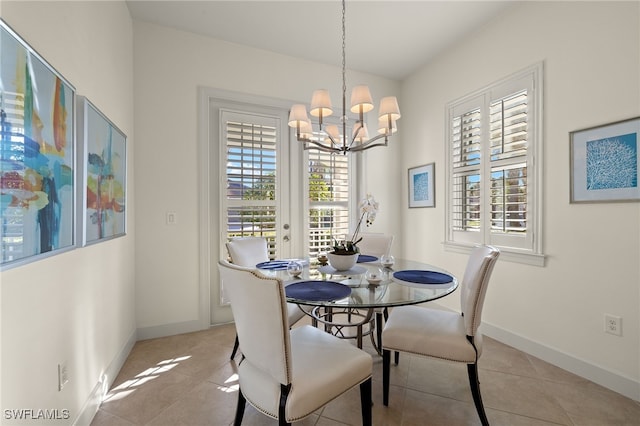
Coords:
387,38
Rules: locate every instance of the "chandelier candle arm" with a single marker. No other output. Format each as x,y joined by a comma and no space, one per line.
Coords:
329,138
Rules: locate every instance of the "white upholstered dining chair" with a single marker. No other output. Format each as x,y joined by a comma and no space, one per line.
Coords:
248,252
288,375
444,334
375,244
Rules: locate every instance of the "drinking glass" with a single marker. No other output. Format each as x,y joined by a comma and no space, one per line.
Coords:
294,268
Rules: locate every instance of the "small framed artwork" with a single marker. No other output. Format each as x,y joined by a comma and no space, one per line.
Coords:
37,155
604,163
103,154
422,186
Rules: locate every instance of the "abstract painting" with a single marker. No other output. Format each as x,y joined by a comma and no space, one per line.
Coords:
604,163
422,186
37,159
103,152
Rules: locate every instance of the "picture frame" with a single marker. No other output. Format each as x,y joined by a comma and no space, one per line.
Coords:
102,150
422,186
604,163
37,155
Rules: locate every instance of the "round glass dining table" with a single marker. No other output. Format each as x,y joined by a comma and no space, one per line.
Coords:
348,306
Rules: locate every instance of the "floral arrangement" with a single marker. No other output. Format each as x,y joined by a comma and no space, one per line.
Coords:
368,208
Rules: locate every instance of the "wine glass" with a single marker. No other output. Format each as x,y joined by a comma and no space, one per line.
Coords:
294,268
387,260
373,276
322,258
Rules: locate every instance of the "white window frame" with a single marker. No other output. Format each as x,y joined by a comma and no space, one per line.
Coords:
523,249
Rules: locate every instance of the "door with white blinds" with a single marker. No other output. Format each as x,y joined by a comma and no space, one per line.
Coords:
252,184
264,184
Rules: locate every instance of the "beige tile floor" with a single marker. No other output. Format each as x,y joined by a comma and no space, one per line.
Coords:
189,380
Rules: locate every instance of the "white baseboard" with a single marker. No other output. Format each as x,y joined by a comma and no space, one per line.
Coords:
169,329
91,406
609,379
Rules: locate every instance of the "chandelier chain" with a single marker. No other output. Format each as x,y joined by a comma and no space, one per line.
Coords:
344,73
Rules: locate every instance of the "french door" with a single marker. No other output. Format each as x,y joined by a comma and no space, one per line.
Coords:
263,184
251,174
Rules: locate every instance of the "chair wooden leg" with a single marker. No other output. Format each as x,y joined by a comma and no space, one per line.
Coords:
474,383
284,394
240,408
386,366
396,357
365,401
235,348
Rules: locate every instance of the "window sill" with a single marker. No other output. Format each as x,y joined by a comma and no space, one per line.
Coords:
508,254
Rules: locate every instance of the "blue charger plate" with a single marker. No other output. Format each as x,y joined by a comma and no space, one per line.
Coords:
317,290
363,258
422,277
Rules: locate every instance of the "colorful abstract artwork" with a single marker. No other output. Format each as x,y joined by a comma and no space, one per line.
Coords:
37,195
605,163
103,150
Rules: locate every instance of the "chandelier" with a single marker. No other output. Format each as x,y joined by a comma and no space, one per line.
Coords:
328,137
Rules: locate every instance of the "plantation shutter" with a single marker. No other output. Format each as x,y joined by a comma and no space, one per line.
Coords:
328,183
466,164
509,136
250,144
493,177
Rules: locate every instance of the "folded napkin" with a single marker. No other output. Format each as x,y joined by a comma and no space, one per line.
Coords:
366,258
279,265
274,265
423,277
317,290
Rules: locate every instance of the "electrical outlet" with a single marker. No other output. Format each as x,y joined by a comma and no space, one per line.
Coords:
63,375
613,324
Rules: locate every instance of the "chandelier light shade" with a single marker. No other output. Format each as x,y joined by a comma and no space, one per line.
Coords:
361,100
329,138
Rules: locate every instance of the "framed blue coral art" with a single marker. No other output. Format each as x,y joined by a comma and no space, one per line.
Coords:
604,163
102,150
422,186
37,155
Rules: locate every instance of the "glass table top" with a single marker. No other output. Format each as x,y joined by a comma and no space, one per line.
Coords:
390,291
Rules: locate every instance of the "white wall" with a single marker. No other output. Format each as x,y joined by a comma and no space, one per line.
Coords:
591,54
77,306
170,65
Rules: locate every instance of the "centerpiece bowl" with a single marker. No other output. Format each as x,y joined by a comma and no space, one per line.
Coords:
342,262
